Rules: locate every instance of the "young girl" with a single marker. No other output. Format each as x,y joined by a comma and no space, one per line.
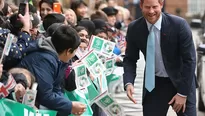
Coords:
70,16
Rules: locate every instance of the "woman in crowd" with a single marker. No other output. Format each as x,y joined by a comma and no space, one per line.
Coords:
80,8
70,16
82,32
46,7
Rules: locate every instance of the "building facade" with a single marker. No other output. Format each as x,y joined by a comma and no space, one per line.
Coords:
177,7
196,7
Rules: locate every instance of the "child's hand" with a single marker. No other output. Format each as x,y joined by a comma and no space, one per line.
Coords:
19,92
78,108
76,63
26,20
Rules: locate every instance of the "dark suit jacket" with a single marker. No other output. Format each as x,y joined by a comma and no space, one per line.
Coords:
177,49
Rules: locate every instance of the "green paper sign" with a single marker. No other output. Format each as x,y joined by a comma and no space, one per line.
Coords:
111,78
77,95
91,59
102,46
92,92
110,66
109,105
97,43
13,108
81,70
115,110
106,101
81,76
94,64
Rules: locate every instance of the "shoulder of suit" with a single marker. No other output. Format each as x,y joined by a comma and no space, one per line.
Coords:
136,21
174,18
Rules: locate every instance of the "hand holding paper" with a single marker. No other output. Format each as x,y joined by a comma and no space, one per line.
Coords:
19,92
78,108
30,96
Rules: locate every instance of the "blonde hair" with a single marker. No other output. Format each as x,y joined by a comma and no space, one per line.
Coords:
71,11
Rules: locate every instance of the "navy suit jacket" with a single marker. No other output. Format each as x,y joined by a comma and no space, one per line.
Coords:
177,49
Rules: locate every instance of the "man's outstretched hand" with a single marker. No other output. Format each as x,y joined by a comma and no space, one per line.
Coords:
130,92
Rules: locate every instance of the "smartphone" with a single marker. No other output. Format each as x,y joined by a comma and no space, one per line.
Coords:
22,8
57,7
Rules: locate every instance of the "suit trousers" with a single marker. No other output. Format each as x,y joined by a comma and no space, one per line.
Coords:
155,103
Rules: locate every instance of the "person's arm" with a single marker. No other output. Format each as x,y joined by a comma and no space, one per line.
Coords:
129,64
23,42
45,73
23,39
130,59
188,55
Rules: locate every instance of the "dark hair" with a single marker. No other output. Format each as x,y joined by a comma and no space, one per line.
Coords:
4,22
99,15
52,18
80,28
65,37
49,2
142,1
20,78
51,29
100,24
97,31
89,25
15,24
76,3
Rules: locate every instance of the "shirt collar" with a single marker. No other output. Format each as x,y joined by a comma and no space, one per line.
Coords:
157,24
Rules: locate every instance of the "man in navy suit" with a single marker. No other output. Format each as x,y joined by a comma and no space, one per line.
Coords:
174,61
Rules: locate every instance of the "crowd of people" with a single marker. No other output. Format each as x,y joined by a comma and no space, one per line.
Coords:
45,43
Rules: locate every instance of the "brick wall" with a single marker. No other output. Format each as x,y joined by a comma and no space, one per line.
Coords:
172,5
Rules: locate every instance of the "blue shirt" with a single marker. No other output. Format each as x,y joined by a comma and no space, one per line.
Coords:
159,64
